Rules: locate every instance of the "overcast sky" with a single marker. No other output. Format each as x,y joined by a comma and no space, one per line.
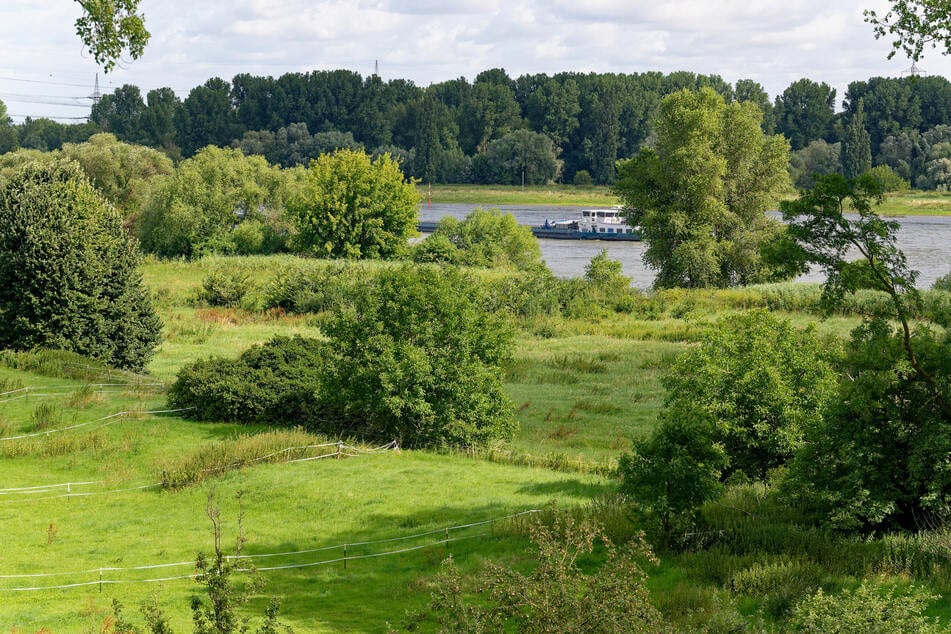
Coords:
45,72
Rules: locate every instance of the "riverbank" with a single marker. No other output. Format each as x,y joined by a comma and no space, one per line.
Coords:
910,203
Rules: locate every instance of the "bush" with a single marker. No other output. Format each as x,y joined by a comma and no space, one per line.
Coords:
69,274
760,382
419,359
415,356
889,180
943,283
274,383
869,608
489,238
222,287
354,207
583,179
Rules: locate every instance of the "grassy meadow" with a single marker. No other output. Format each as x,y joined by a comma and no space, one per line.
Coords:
96,447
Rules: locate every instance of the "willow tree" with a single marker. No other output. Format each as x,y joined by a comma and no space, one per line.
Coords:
700,194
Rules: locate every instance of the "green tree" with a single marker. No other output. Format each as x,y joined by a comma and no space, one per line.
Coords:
68,270
109,27
120,113
158,119
207,117
805,112
521,157
753,91
490,238
355,207
8,134
122,172
856,145
877,457
760,382
197,209
489,112
419,359
914,25
816,158
675,470
700,195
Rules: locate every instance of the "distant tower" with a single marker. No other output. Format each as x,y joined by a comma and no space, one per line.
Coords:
376,67
96,96
913,71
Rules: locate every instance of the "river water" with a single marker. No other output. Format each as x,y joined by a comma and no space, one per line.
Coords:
926,241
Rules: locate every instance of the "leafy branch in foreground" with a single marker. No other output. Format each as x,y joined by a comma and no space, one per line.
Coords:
915,24
108,27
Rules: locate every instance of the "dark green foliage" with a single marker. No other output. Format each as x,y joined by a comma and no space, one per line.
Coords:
675,470
877,457
856,145
760,382
278,382
559,594
521,157
805,112
413,354
68,271
419,359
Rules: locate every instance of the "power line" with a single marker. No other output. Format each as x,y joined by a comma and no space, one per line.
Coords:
47,83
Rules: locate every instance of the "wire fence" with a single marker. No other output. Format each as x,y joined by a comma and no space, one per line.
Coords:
288,455
50,391
343,554
105,421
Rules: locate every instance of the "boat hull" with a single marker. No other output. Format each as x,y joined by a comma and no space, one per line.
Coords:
572,234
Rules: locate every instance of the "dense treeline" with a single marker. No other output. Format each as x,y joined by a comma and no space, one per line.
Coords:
570,127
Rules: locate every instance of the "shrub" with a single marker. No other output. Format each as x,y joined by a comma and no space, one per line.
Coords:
869,608
274,383
943,283
760,382
889,180
354,207
222,287
416,356
489,238
559,595
69,274
583,179
419,359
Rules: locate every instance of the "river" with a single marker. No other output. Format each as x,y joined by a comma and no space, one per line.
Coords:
926,241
